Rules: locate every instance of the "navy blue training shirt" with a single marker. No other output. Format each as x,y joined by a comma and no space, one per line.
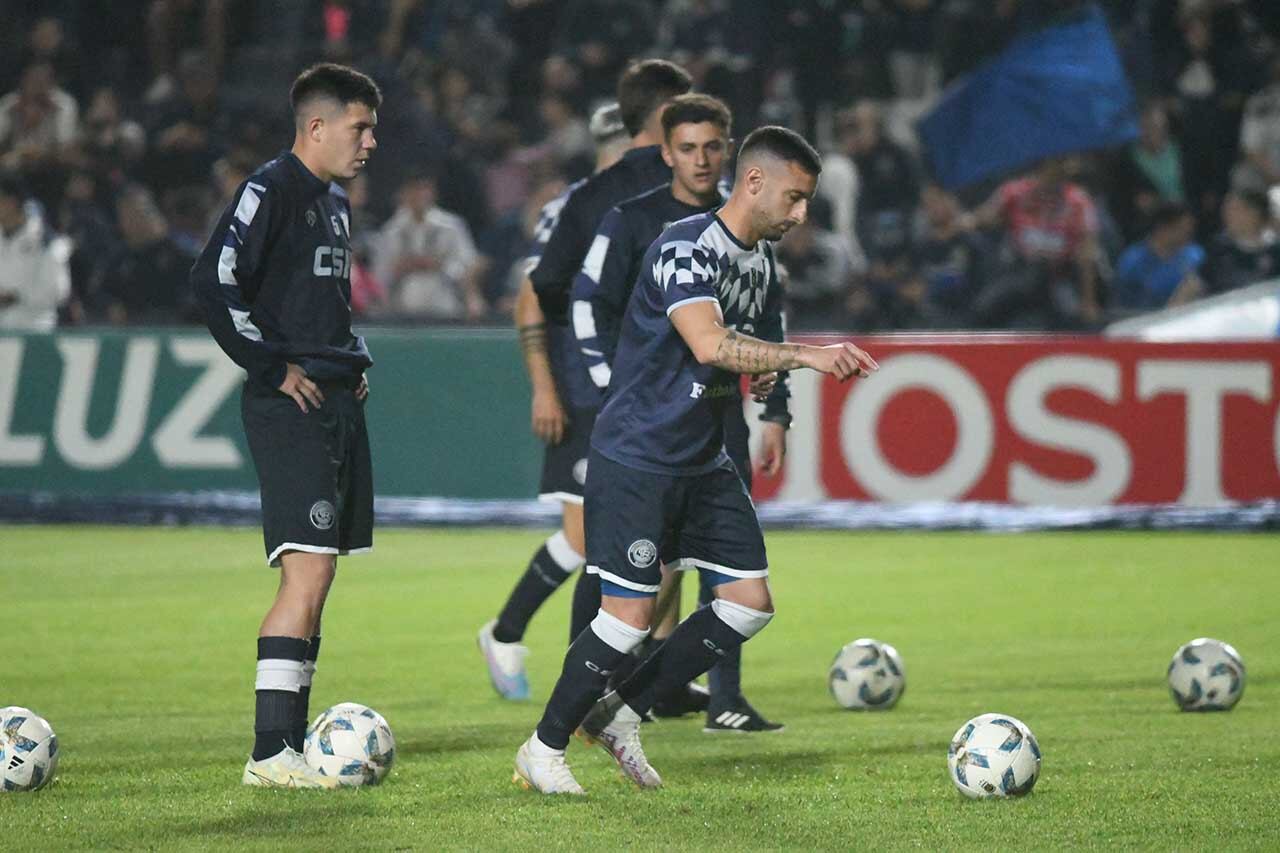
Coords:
275,277
665,411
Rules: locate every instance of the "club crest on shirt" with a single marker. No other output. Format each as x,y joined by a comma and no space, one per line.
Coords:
310,216
642,553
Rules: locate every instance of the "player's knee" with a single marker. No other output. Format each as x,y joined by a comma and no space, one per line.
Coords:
618,633
747,621
635,612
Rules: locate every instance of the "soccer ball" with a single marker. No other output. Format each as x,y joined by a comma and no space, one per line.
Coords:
28,750
352,742
994,755
867,675
1206,675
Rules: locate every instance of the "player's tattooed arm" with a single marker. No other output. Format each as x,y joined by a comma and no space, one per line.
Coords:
745,354
701,325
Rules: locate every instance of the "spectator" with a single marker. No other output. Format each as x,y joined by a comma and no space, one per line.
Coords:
950,260
600,36
146,281
1148,172
426,259
839,186
34,274
1048,273
113,145
1246,251
189,129
1260,136
368,295
913,62
818,270
38,122
92,234
505,245
887,186
1162,270
566,132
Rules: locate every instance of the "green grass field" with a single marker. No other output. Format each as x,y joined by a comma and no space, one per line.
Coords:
138,646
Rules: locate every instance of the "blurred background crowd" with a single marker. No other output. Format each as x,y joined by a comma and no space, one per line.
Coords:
126,125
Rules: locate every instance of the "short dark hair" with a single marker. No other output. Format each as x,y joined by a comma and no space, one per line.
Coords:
647,85
1168,213
784,144
696,109
337,82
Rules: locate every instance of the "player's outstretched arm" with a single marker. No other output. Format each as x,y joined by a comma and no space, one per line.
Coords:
701,326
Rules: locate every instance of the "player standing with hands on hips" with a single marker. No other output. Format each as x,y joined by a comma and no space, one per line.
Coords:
659,480
275,284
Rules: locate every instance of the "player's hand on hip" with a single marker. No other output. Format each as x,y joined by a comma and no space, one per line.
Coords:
362,390
549,418
843,361
773,448
761,385
300,388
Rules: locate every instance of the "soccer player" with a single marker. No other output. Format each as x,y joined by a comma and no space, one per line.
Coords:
659,480
643,90
274,281
549,356
695,146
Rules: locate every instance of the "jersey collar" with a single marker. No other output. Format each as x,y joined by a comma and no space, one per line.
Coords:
308,178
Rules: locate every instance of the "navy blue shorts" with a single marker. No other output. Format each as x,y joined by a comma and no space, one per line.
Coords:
564,465
637,520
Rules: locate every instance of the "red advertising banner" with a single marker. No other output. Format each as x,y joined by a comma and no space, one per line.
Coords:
1039,421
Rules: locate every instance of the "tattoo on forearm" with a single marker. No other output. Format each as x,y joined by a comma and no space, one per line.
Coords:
533,338
745,354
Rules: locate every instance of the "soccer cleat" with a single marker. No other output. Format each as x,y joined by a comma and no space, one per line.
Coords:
542,769
739,717
506,664
693,698
613,725
285,769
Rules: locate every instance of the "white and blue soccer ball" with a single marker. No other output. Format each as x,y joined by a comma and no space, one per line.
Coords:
351,742
1206,675
994,755
28,750
867,675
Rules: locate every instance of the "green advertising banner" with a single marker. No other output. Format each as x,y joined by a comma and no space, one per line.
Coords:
158,410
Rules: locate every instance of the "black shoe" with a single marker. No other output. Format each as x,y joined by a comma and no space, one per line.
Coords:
739,717
693,699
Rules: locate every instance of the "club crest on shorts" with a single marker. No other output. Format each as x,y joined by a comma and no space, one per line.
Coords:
642,553
580,472
322,515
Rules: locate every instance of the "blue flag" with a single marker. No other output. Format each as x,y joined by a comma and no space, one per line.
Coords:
1056,91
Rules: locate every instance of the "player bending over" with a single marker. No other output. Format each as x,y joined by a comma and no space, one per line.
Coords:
659,478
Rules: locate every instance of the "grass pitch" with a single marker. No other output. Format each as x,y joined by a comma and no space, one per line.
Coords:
138,646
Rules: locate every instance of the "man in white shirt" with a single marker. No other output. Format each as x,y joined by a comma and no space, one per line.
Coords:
34,274
1260,138
427,259
38,121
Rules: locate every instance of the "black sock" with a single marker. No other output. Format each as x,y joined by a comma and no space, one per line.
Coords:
698,642
543,577
632,661
725,678
587,666
276,691
302,712
586,603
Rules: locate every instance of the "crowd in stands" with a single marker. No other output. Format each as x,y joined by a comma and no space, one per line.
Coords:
126,125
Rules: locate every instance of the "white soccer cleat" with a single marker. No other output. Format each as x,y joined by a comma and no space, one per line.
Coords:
506,664
285,769
616,728
543,769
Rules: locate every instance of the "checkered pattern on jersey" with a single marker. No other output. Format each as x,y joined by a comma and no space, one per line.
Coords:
684,266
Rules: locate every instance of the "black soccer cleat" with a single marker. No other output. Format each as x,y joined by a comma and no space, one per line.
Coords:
740,718
692,699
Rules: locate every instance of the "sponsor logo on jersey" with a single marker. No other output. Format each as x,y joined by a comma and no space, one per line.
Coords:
322,515
642,553
700,391
332,261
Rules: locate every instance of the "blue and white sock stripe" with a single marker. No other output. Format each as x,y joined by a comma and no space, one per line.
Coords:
279,674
